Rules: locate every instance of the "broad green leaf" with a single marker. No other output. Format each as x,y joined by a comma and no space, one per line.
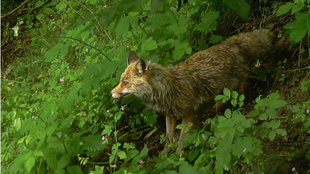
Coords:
51,128
149,44
281,132
242,146
54,142
297,34
275,124
64,161
39,4
234,94
51,160
186,168
215,39
263,133
284,8
75,170
26,126
144,152
219,97
277,104
263,116
93,143
157,5
57,50
226,92
61,5
30,163
122,155
170,172
122,26
181,47
93,2
131,153
271,135
241,97
227,113
38,152
297,7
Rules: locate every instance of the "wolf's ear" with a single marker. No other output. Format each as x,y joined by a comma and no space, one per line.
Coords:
132,57
141,67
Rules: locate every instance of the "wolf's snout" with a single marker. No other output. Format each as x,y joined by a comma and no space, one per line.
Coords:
110,94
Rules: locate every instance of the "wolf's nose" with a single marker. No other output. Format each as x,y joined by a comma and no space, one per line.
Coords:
110,94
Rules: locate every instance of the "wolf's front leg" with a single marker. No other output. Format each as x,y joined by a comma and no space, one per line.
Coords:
170,129
183,132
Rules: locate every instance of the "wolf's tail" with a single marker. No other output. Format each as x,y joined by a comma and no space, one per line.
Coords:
254,45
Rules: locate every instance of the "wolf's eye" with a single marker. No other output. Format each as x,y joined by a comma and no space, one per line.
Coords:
125,83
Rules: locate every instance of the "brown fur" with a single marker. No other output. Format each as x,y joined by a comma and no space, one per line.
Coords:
178,91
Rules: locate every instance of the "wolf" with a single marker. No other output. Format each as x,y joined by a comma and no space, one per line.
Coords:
177,92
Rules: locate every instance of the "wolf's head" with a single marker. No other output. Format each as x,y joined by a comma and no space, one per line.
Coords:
133,80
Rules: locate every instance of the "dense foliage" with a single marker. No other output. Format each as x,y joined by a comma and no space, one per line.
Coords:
57,117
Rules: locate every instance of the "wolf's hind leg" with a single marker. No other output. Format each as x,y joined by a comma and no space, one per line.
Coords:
183,132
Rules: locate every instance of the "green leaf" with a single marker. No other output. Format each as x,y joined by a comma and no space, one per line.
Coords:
122,155
186,168
122,26
226,92
93,2
64,161
281,132
242,145
30,163
157,5
131,154
38,152
181,47
241,97
26,126
215,39
275,124
57,50
61,5
272,135
284,8
263,133
263,116
227,113
93,143
297,34
39,4
234,94
278,104
51,160
208,22
297,7
149,45
144,152
75,170
51,129
219,97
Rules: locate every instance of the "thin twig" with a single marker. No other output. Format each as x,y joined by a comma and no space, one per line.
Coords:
87,45
22,4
